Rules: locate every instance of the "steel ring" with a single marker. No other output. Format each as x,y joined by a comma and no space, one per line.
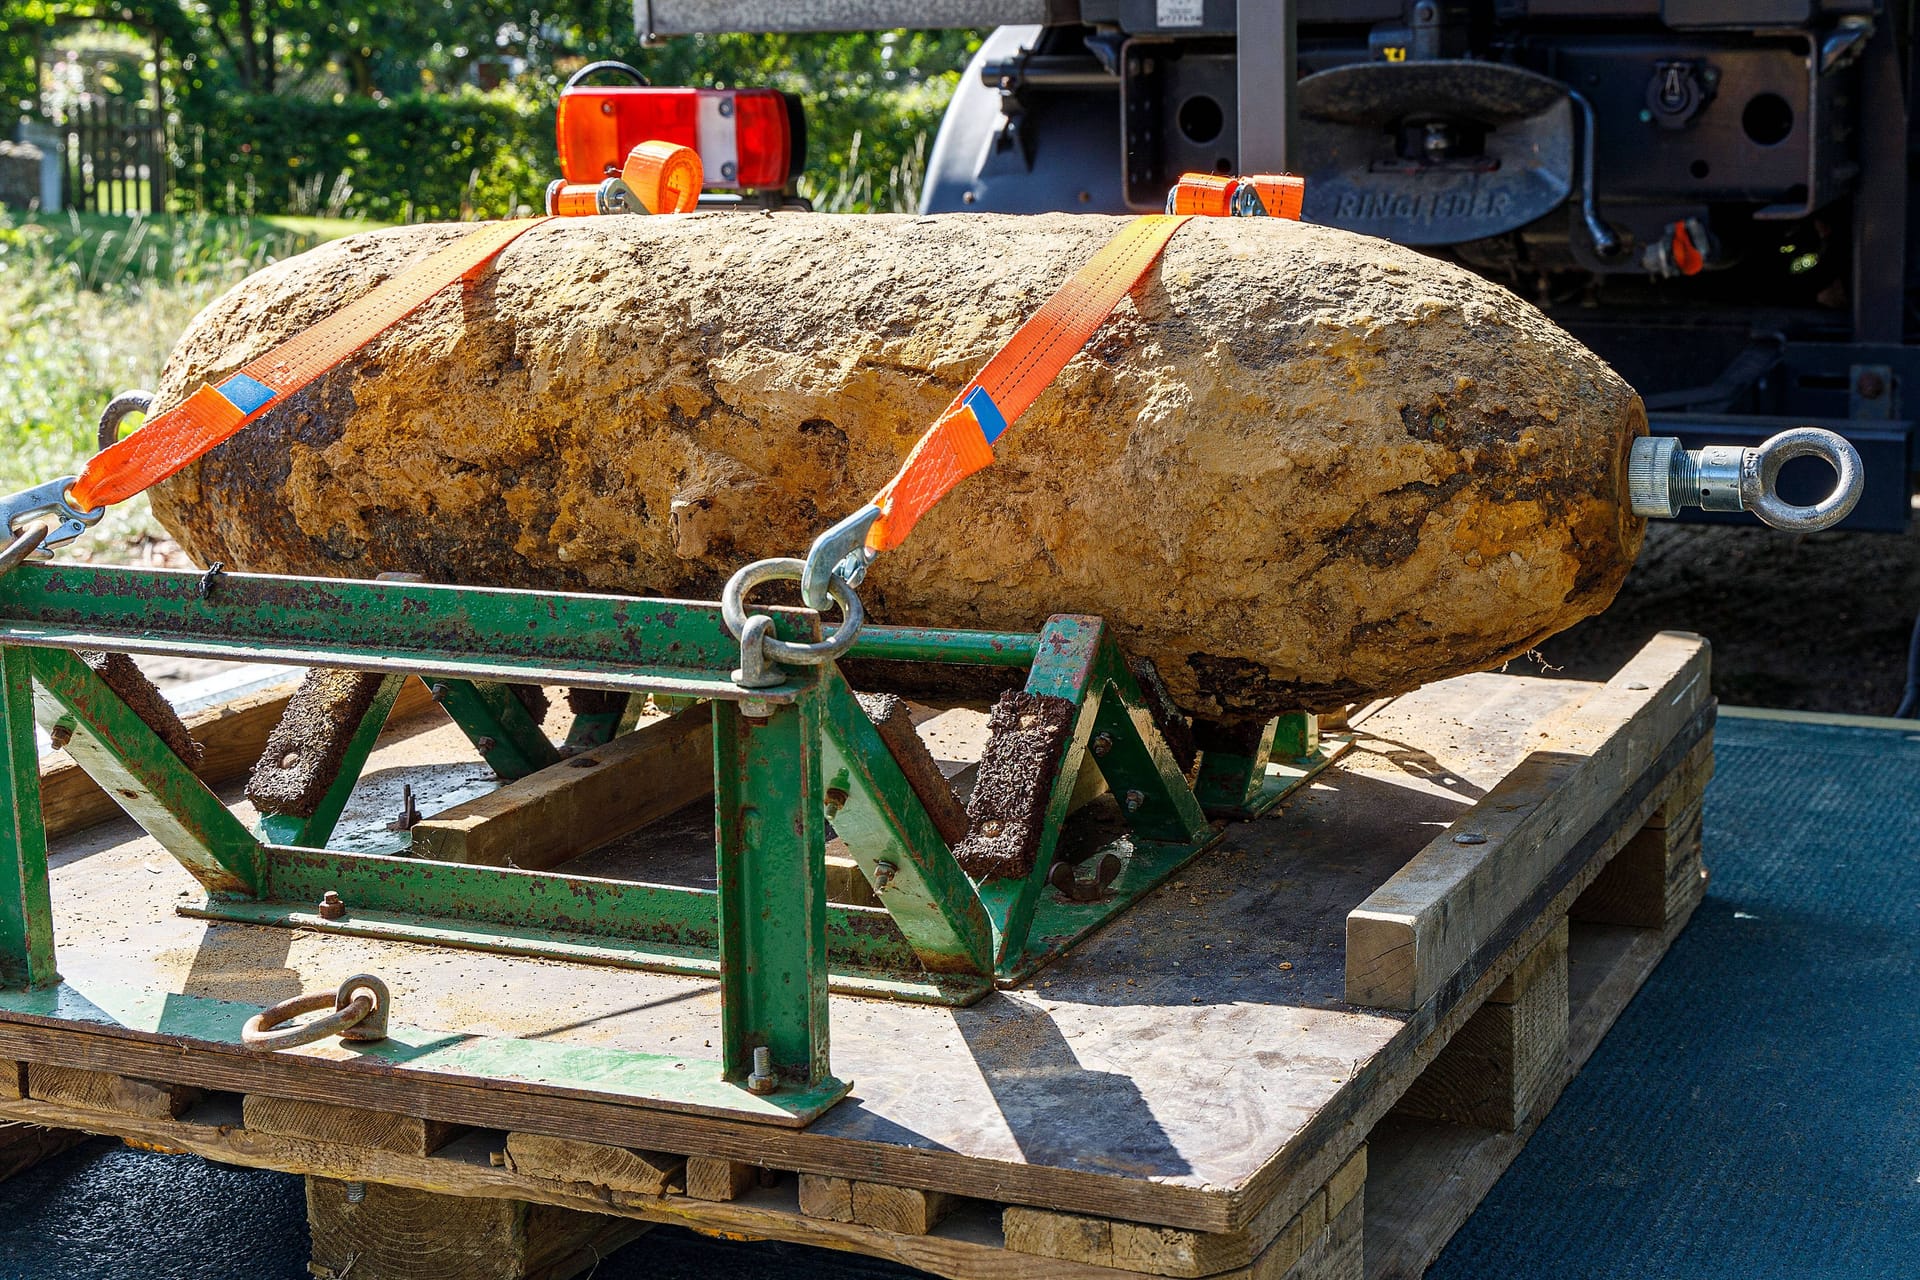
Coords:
23,546
733,611
263,1029
1760,471
116,412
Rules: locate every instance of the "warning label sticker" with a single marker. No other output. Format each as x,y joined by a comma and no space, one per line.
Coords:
1179,13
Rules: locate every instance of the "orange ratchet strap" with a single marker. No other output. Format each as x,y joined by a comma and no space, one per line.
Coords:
174,439
960,442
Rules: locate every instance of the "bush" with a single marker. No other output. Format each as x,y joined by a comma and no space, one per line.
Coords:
433,157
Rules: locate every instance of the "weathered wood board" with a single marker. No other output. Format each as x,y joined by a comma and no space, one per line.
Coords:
1194,1066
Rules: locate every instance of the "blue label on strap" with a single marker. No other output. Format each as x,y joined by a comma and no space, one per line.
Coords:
246,394
986,413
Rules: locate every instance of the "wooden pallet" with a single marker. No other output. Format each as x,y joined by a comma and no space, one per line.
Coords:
1310,1056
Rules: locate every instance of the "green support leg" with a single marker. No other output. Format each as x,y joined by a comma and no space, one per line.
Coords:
26,909
1230,782
1137,764
1066,665
312,832
771,866
498,723
884,824
132,765
1235,784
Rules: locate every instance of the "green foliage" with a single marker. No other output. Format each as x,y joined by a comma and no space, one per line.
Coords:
873,103
423,156
90,306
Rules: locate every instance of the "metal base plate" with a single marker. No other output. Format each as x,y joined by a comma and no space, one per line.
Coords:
197,1025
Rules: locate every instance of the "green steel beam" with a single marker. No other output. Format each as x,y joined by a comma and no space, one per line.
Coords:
883,821
498,724
771,863
316,828
929,644
26,908
132,764
474,633
676,921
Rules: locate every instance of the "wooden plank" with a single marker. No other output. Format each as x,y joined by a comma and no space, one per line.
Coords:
1270,1243
905,1210
353,1126
965,1247
581,803
1647,883
710,1178
108,1091
1428,1176
594,1164
13,1079
24,1145
1322,1142
1415,931
374,1232
233,735
1494,1072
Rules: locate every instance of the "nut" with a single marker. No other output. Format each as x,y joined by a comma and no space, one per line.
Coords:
331,907
762,1080
883,874
1102,744
1134,800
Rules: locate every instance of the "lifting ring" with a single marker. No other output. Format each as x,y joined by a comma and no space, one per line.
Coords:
758,647
357,1010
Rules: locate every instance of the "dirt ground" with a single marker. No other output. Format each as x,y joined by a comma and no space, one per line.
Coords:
1812,622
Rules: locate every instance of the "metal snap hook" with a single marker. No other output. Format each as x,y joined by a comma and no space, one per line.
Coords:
759,648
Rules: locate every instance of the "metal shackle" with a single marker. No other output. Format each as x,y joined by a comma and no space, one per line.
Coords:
1663,477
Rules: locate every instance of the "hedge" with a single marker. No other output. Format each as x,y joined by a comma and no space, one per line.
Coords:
419,157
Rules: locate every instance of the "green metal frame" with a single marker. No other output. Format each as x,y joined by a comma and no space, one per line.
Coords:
787,760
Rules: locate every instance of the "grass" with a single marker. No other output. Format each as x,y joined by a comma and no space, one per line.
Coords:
90,305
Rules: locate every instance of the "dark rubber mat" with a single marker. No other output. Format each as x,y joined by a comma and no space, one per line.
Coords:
1755,1113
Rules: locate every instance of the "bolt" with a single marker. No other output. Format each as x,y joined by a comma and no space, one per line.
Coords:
758,710
484,746
439,691
60,736
331,907
990,828
356,1192
883,874
1870,385
762,1080
729,171
726,106
1134,800
1102,744
1424,13
290,759
1469,837
835,798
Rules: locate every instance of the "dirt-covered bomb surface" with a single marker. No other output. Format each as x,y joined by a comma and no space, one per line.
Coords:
1299,467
